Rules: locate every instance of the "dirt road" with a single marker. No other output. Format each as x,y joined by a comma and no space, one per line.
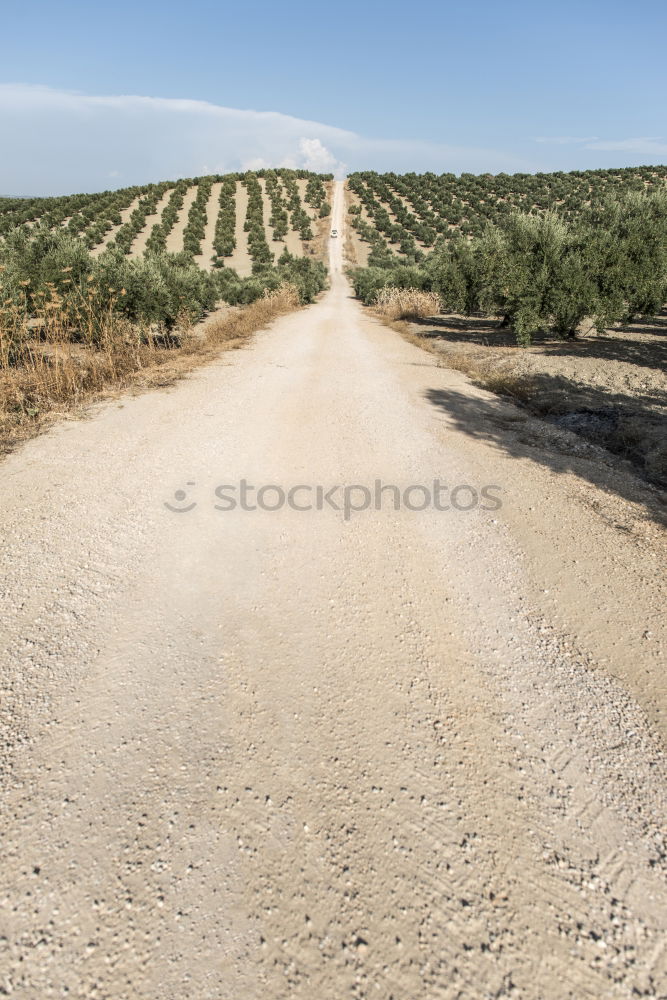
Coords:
394,753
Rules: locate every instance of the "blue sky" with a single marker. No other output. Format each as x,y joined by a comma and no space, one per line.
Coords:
418,85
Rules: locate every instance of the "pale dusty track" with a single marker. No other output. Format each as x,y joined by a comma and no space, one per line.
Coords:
284,755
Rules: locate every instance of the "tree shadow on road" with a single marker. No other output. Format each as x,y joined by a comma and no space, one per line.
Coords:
554,442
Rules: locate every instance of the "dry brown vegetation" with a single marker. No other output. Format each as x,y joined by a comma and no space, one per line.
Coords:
53,375
407,303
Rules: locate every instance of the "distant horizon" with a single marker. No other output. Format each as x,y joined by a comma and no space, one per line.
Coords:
482,173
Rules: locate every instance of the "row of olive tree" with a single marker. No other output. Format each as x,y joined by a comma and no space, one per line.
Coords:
258,249
147,205
157,239
428,205
299,218
279,219
541,272
224,240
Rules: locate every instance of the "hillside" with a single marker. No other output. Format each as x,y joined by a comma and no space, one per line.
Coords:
232,220
213,218
407,214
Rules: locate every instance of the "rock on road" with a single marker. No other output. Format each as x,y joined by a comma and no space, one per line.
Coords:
284,753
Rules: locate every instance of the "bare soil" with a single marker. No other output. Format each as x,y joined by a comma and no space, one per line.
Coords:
610,388
240,260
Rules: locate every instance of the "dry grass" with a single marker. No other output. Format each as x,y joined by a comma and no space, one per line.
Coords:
238,324
495,369
52,376
407,303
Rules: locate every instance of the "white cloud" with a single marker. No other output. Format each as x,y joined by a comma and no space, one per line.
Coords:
645,146
564,140
62,141
318,158
648,146
254,163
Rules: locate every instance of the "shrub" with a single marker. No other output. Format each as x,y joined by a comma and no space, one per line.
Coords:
539,270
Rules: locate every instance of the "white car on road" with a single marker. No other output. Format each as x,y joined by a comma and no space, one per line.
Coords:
334,233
